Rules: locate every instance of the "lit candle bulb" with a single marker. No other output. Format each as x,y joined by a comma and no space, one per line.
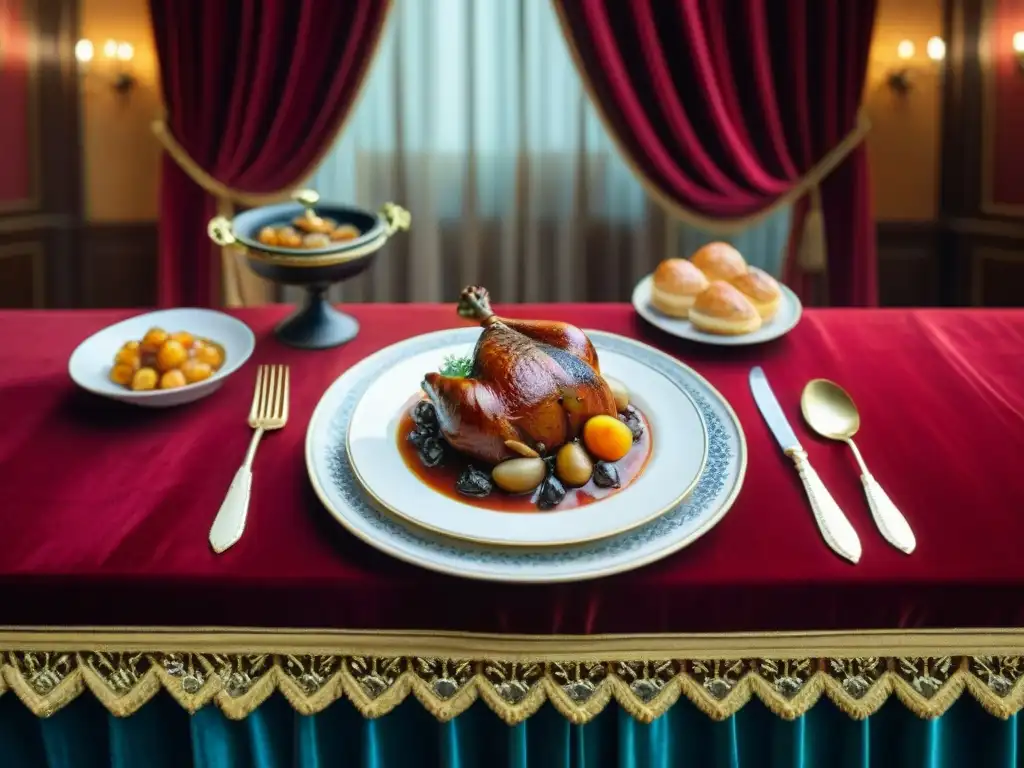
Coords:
84,51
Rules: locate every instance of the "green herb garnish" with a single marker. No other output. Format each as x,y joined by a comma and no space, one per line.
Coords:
457,367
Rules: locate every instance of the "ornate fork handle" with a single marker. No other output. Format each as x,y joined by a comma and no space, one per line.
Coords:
229,525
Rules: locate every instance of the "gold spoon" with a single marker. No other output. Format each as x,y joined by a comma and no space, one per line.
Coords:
830,412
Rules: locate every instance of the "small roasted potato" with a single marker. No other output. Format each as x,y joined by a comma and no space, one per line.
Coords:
288,238
122,374
209,354
144,379
170,355
173,379
316,240
572,465
165,361
128,356
195,370
268,236
312,224
519,475
153,340
344,232
184,338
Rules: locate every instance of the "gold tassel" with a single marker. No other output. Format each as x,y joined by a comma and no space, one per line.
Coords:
813,248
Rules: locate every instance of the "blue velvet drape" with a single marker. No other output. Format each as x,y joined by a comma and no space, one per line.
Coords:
162,735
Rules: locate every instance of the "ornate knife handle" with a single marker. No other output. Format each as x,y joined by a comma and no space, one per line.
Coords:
834,527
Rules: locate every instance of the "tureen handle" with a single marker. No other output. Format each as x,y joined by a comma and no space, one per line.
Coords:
397,218
219,230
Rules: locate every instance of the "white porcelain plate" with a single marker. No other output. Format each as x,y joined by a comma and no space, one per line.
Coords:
92,360
784,321
678,452
330,472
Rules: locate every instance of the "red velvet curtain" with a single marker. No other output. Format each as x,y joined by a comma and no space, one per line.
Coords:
724,105
255,93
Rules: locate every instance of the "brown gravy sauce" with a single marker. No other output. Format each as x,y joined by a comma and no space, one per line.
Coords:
442,478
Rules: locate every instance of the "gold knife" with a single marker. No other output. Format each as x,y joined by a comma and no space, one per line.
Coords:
834,527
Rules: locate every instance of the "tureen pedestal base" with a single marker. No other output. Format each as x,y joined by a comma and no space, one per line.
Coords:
316,324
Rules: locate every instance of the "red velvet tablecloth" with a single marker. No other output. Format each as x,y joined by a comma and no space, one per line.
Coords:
105,509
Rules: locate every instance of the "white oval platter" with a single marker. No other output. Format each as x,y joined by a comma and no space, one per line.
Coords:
678,452
330,472
90,363
782,323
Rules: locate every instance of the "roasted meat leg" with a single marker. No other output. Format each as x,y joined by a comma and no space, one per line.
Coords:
533,381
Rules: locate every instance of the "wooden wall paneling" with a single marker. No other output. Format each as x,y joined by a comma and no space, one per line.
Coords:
44,120
981,239
908,269
23,272
997,278
1002,117
19,93
990,253
959,185
119,265
61,144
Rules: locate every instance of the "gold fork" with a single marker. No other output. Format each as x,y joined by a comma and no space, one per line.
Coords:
269,411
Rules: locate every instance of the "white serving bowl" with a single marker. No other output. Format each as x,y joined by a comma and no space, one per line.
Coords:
92,360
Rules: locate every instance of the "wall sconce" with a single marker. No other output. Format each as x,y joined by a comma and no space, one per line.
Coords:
117,57
1018,49
936,49
899,79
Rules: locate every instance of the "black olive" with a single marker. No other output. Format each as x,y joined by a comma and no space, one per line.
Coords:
417,436
425,415
431,451
606,475
631,418
551,493
473,482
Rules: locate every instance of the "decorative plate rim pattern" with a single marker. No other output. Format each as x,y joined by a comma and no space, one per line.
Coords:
721,483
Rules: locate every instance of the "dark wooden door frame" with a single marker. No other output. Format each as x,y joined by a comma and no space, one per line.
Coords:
972,233
44,228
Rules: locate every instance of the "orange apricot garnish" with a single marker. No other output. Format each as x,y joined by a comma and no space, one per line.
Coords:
607,438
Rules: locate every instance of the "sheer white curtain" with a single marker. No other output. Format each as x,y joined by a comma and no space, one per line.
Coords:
474,118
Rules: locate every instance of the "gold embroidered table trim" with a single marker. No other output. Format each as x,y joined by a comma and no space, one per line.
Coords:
514,674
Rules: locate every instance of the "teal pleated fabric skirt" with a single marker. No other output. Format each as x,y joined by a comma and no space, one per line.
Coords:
162,735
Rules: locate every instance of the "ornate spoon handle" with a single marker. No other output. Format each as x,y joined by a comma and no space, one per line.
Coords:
890,521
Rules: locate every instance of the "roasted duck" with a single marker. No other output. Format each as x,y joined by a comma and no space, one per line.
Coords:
533,382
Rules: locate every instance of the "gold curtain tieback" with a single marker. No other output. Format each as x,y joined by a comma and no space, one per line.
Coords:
202,178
